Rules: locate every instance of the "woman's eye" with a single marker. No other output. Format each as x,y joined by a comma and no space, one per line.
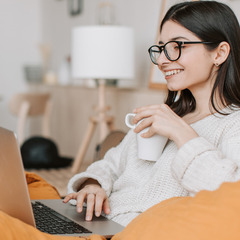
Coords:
177,47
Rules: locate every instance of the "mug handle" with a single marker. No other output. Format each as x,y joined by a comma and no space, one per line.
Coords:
128,120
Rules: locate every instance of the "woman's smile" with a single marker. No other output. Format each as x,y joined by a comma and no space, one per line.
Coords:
172,72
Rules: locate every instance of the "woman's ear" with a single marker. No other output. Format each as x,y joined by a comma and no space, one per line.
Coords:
222,52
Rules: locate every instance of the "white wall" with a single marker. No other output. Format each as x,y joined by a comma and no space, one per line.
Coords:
21,32
141,15
26,23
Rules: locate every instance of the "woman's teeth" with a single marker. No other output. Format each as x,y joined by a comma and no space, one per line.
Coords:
173,72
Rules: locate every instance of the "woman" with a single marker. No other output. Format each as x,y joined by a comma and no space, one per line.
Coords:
199,53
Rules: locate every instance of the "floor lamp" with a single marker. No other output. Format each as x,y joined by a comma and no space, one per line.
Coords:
101,52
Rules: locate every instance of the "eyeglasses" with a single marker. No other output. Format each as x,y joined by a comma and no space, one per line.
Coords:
172,50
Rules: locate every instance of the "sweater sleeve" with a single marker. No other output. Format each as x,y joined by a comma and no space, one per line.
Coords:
107,170
199,165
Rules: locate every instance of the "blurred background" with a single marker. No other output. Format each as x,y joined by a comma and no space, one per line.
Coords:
36,37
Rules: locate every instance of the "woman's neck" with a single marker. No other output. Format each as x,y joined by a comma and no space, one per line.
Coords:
204,106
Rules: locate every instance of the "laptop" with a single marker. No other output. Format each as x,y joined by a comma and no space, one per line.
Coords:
16,201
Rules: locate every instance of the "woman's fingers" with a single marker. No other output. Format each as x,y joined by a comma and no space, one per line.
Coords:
69,197
143,115
140,109
151,110
149,133
156,119
79,196
147,122
99,204
95,199
80,200
95,202
106,206
90,206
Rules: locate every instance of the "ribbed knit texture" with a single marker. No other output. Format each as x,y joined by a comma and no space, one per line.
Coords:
133,185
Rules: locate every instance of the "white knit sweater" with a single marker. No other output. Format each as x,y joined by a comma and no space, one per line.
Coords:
134,185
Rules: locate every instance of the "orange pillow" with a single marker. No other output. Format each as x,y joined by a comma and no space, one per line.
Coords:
40,189
207,216
14,229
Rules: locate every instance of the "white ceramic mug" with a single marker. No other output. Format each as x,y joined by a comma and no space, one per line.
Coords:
148,148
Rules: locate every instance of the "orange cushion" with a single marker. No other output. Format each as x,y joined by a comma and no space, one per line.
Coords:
40,189
207,216
13,229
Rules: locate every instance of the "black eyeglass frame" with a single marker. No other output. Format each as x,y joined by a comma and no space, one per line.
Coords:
179,43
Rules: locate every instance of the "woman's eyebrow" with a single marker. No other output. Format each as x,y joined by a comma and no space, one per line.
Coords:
174,39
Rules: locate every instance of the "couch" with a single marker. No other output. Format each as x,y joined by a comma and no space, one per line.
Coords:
209,215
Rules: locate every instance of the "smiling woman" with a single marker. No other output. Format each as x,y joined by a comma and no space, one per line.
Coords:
198,54
177,59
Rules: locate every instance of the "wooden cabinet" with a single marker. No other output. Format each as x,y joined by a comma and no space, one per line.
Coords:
73,105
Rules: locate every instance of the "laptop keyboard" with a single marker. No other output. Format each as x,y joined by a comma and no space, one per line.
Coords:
49,221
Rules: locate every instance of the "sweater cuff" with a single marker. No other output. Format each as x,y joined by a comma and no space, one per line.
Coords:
187,153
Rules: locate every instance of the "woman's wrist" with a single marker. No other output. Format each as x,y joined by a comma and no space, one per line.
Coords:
184,135
89,181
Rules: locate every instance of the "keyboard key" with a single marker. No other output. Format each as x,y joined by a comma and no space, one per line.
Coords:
49,221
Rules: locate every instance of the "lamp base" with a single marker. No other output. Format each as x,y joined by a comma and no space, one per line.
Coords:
105,122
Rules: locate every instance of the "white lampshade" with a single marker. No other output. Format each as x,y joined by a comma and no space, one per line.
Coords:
102,52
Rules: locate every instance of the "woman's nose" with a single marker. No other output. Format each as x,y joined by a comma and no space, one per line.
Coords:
162,59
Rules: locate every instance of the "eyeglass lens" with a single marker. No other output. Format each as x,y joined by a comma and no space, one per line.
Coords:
171,50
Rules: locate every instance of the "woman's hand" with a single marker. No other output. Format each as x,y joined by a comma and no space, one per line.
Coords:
95,197
163,121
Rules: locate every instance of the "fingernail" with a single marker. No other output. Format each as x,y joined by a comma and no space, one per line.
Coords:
97,214
88,218
79,209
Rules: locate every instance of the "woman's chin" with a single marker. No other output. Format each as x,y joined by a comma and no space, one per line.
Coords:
172,87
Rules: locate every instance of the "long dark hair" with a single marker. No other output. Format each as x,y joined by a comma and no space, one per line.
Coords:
212,22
